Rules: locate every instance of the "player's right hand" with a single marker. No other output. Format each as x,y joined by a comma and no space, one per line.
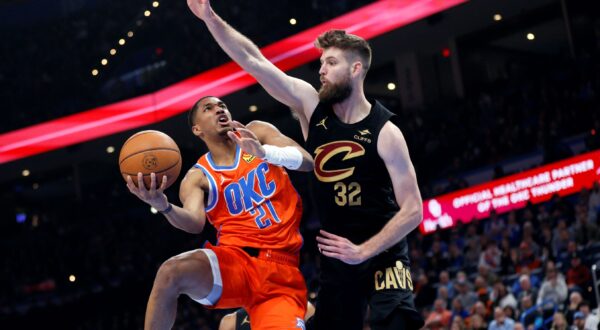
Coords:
155,197
200,8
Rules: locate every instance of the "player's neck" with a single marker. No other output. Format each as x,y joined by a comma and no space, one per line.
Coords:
223,152
353,109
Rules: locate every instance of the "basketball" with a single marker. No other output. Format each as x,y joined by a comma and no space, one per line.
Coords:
147,152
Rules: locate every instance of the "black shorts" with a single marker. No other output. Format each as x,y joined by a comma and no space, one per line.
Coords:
383,283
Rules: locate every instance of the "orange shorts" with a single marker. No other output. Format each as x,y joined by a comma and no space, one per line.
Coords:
269,286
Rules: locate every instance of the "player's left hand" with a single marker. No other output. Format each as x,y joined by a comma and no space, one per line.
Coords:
247,140
340,248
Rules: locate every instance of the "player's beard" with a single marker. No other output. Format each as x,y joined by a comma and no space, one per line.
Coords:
335,93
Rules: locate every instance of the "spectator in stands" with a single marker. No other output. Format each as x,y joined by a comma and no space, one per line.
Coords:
476,322
424,292
528,313
574,300
578,321
458,323
526,289
466,296
501,297
491,257
585,231
439,318
559,322
481,308
591,320
482,289
579,276
533,279
527,256
444,281
501,322
458,310
513,229
519,326
442,293
554,287
456,259
561,238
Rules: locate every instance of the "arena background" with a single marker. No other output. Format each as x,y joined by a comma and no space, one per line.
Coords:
485,90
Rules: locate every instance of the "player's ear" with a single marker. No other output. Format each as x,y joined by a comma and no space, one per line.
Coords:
356,68
197,131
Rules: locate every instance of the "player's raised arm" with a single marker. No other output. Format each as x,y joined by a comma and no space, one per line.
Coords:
295,93
265,141
191,217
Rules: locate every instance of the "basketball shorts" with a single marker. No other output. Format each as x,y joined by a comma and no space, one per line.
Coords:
268,285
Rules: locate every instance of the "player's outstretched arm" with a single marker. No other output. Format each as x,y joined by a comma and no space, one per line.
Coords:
191,217
295,93
394,152
265,141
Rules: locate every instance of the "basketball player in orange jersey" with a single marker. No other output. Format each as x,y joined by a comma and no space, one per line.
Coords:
364,183
242,189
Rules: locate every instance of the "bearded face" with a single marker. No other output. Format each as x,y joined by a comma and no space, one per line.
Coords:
332,93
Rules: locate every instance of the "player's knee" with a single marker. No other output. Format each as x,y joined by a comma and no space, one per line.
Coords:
169,275
188,273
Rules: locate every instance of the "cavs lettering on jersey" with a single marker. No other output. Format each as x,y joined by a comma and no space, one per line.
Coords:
252,203
351,186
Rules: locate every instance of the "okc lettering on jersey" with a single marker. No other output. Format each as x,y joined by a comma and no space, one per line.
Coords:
240,195
325,152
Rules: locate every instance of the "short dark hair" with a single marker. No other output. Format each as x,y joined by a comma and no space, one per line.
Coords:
342,40
194,109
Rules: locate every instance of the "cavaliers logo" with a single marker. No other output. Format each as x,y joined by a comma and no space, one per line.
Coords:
350,149
149,162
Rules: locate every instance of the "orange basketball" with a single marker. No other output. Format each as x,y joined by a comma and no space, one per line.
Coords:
147,152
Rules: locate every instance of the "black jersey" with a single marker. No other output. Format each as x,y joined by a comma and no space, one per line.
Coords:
352,189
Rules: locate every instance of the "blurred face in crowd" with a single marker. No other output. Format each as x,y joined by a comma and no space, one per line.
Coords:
525,283
439,305
575,298
499,315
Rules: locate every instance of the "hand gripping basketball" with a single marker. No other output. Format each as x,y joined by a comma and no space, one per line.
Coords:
155,197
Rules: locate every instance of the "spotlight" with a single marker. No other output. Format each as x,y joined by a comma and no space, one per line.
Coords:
147,13
155,4
25,172
530,36
391,86
293,21
253,108
104,61
497,17
72,278
95,72
130,34
121,41
113,51
110,149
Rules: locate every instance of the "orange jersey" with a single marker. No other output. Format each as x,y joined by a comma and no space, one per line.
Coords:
252,203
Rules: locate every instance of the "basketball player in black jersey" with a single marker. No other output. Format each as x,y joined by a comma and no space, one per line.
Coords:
364,181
